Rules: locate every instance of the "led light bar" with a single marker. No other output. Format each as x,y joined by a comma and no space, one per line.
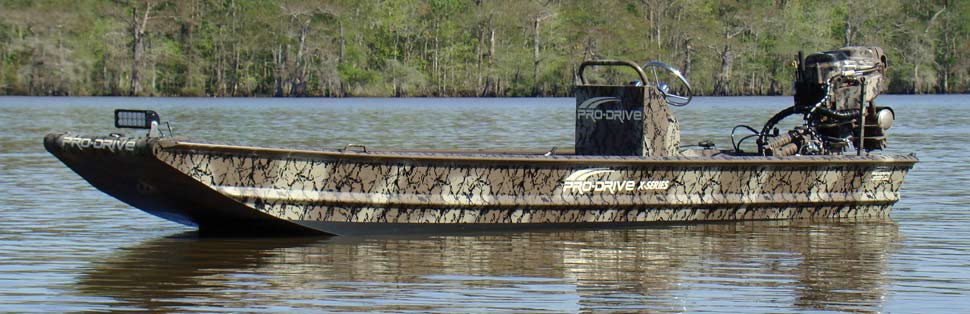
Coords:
135,119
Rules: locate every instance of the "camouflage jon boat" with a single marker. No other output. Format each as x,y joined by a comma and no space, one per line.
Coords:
627,167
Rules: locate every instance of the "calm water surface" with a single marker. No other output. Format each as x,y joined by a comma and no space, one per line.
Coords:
65,247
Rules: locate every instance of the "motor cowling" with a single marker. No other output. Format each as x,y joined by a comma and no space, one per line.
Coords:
835,91
844,73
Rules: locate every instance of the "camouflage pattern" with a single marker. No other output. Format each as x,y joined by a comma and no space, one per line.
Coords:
441,188
850,61
332,186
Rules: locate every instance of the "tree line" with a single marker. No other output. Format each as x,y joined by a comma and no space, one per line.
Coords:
457,47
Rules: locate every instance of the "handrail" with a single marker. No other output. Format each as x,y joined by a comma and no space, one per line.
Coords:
582,67
352,145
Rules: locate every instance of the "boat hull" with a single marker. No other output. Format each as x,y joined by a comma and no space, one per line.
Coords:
242,189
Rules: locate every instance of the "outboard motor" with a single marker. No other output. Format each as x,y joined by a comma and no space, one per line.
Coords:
835,92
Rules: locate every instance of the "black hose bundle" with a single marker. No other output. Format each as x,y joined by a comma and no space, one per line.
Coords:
839,115
763,136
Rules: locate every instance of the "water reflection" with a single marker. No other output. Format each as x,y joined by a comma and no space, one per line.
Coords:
761,266
60,236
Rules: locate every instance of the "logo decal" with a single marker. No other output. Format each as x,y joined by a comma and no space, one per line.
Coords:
109,144
590,110
601,180
880,176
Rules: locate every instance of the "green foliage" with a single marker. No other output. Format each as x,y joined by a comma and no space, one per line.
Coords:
356,76
458,47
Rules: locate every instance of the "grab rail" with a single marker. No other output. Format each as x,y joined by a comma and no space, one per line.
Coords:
352,145
582,67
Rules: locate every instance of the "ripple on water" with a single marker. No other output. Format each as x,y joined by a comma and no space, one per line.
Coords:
68,248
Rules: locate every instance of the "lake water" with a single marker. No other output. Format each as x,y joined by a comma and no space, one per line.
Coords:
65,247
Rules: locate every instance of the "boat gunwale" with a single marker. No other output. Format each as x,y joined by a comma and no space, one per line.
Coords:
513,158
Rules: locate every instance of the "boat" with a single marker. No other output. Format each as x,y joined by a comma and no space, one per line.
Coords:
627,168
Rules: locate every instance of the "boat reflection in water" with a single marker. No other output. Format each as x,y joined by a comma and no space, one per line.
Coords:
760,266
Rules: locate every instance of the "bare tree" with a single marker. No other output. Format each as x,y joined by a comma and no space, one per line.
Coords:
539,17
138,24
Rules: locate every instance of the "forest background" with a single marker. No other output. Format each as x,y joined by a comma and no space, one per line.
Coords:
457,47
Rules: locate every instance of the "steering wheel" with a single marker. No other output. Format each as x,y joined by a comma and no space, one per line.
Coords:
664,89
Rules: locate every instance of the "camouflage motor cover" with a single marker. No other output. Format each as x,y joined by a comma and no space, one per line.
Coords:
847,62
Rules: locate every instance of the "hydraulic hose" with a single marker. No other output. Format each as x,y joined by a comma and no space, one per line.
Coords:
762,137
840,115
